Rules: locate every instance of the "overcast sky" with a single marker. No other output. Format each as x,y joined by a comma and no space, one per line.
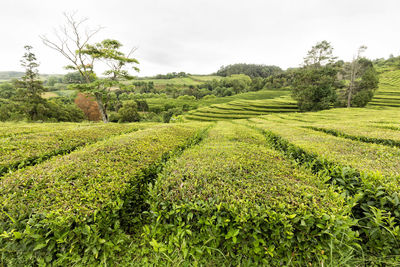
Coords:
199,36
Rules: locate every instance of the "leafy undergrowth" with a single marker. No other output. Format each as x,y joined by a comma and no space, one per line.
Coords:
77,209
232,201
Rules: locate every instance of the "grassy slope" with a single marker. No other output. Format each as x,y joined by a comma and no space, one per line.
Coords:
388,93
244,106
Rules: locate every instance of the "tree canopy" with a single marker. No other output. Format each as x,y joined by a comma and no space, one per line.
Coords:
252,70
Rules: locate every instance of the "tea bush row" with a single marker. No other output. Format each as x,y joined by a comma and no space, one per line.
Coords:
29,149
376,206
76,209
232,201
365,139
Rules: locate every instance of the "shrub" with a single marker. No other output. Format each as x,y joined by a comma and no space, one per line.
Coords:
69,210
231,200
129,112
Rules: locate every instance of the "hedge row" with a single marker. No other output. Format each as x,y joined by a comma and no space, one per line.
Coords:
365,139
24,150
69,210
9,129
376,203
366,157
232,201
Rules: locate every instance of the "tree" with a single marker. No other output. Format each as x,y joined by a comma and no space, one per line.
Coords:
107,51
363,80
238,82
73,78
52,80
252,70
89,106
30,87
320,55
314,88
74,44
314,85
129,112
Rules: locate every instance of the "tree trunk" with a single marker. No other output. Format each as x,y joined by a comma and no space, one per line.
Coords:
102,108
349,95
352,80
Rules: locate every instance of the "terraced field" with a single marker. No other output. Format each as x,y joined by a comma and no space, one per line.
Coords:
243,109
283,189
388,93
183,81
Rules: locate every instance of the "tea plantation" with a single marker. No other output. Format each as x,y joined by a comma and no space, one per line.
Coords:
248,182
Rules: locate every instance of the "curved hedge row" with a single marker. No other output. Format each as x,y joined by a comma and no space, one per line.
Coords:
69,210
365,139
232,201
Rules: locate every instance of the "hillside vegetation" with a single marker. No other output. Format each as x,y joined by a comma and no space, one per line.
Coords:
388,93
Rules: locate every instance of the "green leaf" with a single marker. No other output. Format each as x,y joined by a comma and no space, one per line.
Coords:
39,246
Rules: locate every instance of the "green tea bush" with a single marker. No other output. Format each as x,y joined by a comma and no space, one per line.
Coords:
70,209
365,139
30,149
376,206
232,201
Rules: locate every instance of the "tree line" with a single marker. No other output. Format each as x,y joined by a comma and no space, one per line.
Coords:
324,82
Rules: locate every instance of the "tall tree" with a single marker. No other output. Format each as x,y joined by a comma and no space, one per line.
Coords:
70,41
108,51
320,55
314,85
30,87
73,43
363,80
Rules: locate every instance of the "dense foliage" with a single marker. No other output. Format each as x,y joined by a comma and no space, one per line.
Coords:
252,70
232,201
24,101
314,88
72,210
323,83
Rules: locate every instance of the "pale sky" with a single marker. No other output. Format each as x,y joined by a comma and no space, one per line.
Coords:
199,36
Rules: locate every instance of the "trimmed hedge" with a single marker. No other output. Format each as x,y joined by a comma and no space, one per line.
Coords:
232,201
365,139
8,129
69,210
376,205
30,149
